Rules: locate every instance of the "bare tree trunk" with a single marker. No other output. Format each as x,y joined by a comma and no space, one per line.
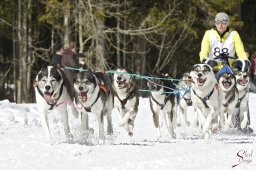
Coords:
52,38
80,29
118,60
19,32
29,53
24,53
100,42
14,40
66,27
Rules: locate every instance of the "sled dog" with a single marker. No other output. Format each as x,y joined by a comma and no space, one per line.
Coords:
241,70
204,96
229,97
162,103
51,92
126,98
184,99
92,95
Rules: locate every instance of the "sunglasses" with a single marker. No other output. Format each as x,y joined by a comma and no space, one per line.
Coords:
221,22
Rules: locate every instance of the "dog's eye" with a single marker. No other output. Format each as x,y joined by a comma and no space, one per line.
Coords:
43,80
197,69
76,82
87,82
53,80
238,73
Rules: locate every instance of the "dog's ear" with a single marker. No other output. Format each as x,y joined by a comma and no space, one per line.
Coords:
210,62
237,64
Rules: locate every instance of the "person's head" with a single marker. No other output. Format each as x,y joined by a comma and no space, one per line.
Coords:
58,48
72,46
221,22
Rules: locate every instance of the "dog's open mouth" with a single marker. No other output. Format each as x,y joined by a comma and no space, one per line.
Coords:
83,96
243,82
226,84
121,83
48,97
200,81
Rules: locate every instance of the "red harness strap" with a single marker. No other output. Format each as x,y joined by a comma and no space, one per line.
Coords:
103,88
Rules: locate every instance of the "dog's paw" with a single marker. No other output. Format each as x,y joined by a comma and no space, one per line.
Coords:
187,123
69,138
101,141
215,128
121,124
90,131
207,136
173,135
243,124
226,127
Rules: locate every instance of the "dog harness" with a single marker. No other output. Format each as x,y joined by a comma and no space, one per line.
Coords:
232,98
239,101
188,101
205,98
129,96
161,105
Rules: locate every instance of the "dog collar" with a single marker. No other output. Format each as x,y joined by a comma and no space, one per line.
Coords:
88,109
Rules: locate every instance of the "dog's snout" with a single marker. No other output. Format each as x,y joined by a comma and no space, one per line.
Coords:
119,78
81,88
47,87
199,74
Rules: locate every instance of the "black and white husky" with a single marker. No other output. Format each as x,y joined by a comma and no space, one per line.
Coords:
126,98
51,92
184,99
229,97
162,103
93,96
241,70
205,98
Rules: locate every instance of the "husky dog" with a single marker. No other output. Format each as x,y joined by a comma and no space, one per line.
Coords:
184,99
126,98
229,96
51,92
162,103
93,96
241,69
204,95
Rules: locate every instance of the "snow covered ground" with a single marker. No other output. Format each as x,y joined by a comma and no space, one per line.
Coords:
22,144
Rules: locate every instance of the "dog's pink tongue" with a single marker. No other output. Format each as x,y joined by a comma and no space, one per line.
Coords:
47,97
226,84
244,81
83,96
200,80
